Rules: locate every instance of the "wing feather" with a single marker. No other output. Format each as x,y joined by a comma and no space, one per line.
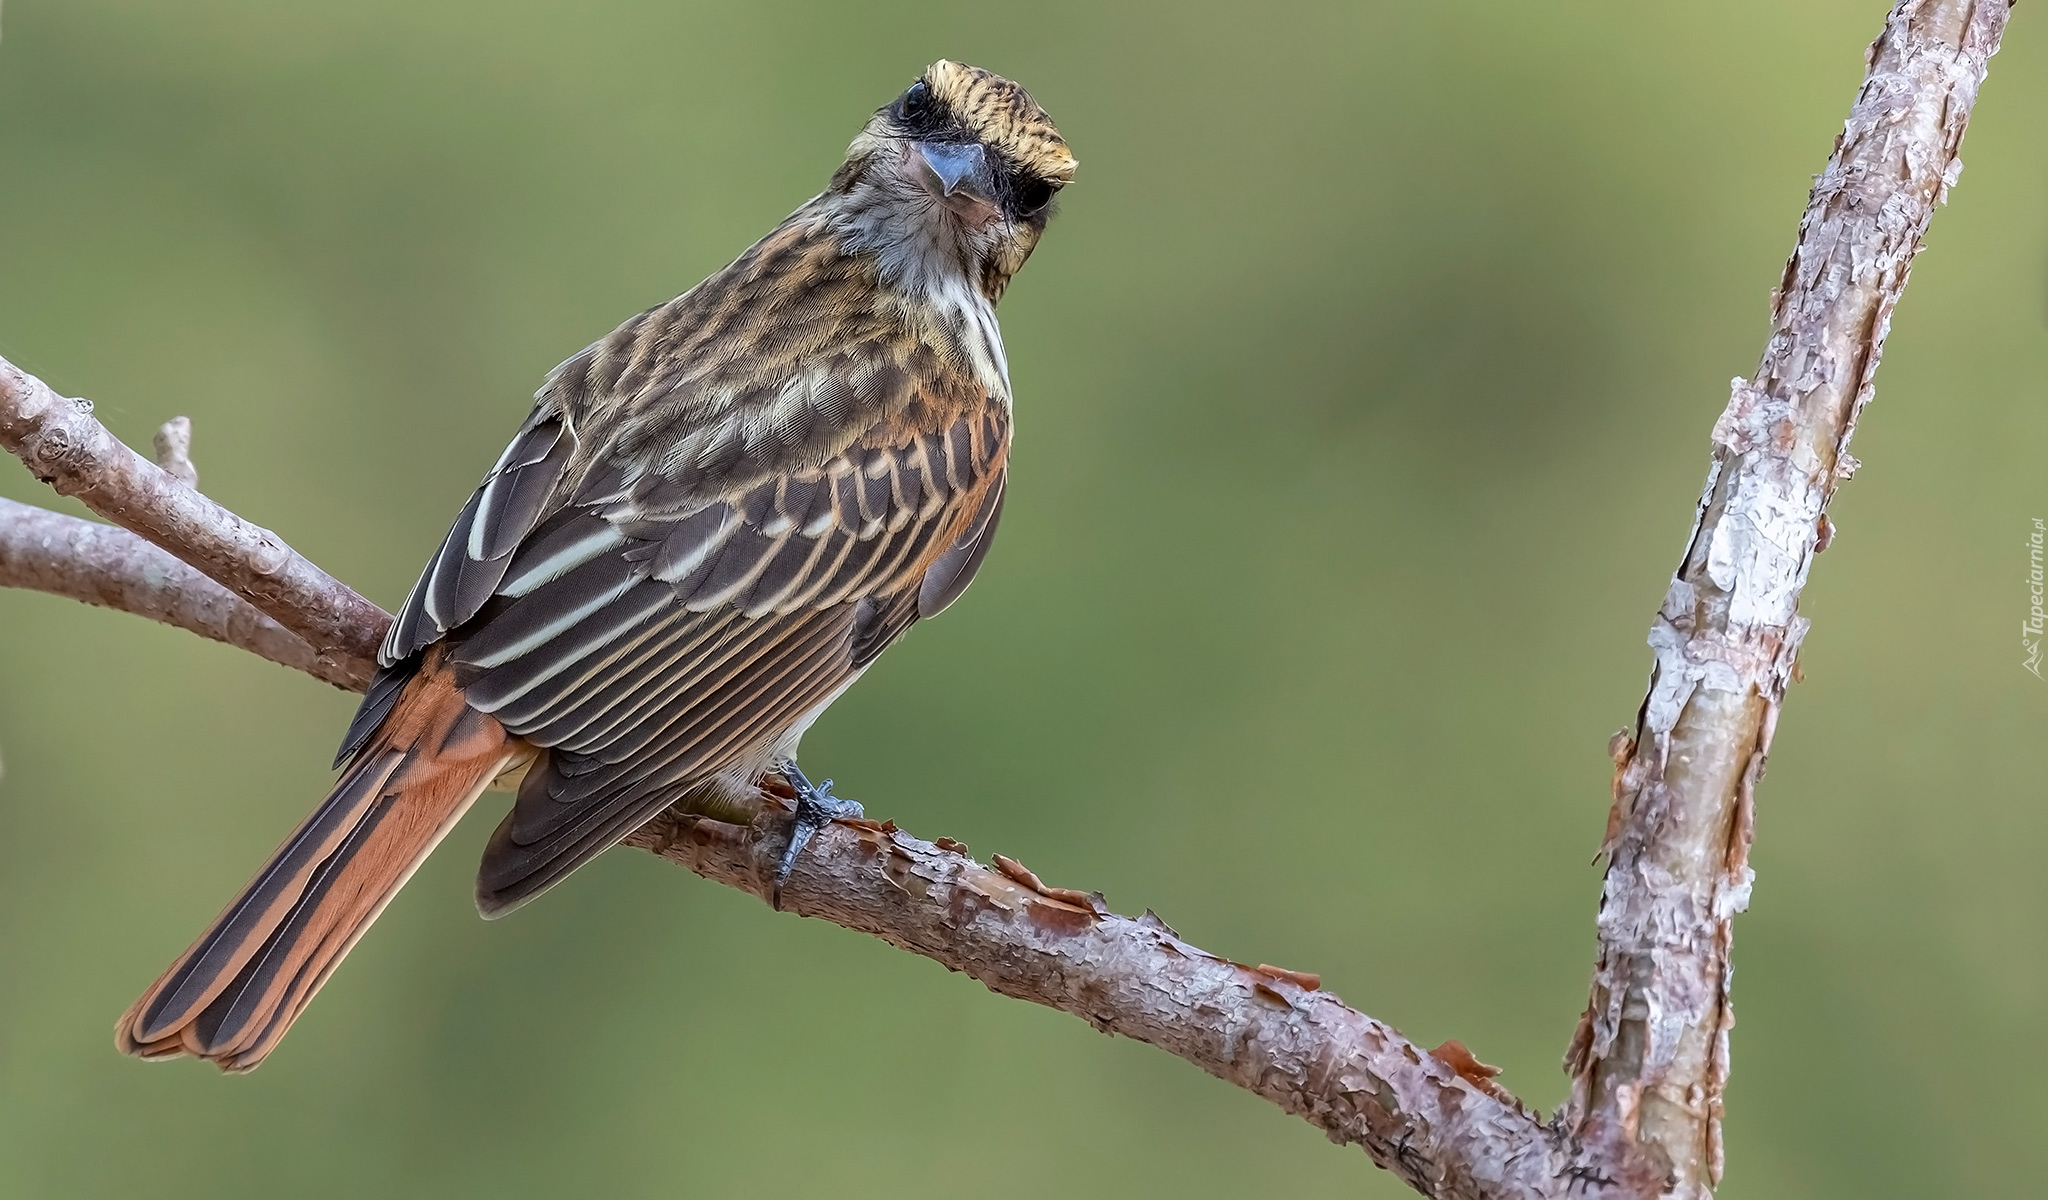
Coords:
558,548
538,618
951,572
468,568
588,644
585,720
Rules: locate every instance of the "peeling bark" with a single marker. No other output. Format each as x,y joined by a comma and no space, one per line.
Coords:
1651,1057
1257,1027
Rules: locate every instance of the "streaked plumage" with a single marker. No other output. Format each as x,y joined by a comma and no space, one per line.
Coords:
712,522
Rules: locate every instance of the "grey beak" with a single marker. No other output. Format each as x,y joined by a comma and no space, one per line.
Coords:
958,167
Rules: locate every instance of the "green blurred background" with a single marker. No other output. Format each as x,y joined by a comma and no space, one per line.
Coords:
1364,389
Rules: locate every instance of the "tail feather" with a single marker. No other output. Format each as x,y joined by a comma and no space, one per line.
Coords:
239,988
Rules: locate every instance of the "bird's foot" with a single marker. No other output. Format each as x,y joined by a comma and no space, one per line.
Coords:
816,807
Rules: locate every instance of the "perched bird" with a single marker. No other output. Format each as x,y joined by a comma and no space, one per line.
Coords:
712,522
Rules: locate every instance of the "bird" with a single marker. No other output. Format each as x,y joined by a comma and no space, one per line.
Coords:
710,524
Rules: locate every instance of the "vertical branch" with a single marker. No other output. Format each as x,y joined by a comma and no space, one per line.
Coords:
1650,1058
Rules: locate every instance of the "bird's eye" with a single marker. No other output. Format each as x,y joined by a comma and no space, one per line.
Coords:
1034,194
917,99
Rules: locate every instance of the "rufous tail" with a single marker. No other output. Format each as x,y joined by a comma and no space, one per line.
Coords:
248,977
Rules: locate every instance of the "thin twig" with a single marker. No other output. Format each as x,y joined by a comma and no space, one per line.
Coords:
1650,1059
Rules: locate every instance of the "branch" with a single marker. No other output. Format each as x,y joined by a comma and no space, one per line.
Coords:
99,564
1266,1030
69,450
1437,1122
1650,1059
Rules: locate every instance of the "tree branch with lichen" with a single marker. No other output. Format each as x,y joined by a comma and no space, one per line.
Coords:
1651,1055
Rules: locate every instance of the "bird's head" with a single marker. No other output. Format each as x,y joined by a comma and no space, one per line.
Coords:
956,175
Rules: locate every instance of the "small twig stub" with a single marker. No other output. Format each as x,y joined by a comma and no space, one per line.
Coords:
173,442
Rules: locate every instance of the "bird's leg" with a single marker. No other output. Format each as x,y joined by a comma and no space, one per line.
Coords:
816,807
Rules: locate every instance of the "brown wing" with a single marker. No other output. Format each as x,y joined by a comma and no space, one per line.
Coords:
652,654
706,531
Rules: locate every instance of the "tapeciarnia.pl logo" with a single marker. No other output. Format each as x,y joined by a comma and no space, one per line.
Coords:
2030,629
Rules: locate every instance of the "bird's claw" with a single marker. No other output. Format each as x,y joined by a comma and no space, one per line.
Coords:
816,807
